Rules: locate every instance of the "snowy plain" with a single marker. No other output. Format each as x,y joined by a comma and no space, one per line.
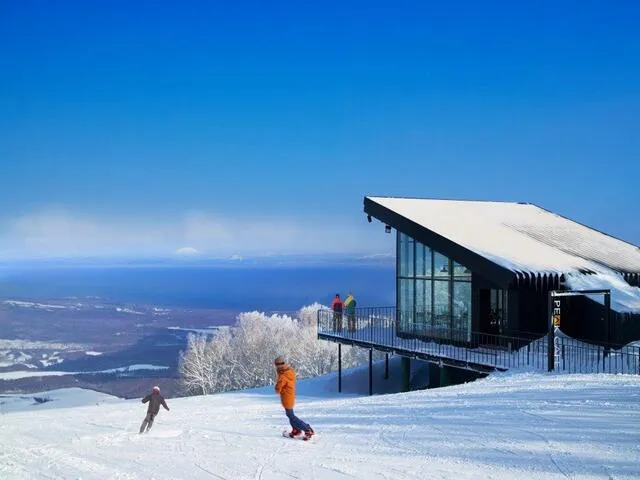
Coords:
52,373
505,426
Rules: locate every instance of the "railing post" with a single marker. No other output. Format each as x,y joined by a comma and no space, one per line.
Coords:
371,322
339,367
607,319
370,371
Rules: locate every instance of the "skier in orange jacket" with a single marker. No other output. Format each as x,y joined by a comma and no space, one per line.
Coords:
286,387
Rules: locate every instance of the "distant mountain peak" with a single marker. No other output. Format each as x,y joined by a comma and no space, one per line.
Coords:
187,251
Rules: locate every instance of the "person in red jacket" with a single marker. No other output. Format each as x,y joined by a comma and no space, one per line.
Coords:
286,387
337,306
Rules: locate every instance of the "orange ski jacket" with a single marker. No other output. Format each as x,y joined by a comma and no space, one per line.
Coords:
286,387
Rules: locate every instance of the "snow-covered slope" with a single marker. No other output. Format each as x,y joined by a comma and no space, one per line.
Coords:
53,399
502,427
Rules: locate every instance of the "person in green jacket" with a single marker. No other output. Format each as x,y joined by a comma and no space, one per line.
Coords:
350,310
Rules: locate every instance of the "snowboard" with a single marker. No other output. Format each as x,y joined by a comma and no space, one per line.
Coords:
285,434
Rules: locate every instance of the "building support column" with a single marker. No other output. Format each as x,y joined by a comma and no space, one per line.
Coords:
406,374
370,371
339,368
386,366
434,375
444,378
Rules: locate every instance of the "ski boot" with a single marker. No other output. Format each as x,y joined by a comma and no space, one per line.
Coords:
294,432
308,433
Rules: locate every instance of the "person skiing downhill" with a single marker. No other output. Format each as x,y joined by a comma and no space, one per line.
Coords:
155,400
286,387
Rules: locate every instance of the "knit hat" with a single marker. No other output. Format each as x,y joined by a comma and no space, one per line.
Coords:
280,360
156,389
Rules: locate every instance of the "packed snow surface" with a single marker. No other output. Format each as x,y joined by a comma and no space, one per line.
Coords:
52,399
503,427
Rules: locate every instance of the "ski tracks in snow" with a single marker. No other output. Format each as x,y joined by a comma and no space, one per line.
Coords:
471,431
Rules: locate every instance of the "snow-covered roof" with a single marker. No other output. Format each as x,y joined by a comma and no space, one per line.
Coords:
521,237
624,297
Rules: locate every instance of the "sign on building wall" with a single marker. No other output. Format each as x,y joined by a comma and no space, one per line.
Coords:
556,312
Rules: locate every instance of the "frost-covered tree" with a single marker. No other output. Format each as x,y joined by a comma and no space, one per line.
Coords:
242,356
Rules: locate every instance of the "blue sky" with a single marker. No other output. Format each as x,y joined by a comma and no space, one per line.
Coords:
143,127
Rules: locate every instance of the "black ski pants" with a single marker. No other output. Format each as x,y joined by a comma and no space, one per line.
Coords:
148,422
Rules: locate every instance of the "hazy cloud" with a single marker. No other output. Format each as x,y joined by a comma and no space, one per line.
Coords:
58,233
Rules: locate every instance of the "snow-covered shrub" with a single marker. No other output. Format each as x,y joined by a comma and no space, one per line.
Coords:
242,356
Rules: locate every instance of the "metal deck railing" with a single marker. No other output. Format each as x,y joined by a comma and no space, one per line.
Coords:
387,329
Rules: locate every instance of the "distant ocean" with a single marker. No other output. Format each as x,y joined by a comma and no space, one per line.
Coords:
282,288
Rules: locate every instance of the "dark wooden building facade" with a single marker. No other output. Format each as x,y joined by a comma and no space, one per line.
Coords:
469,266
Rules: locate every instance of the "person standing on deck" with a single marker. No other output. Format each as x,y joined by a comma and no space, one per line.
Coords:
337,307
350,310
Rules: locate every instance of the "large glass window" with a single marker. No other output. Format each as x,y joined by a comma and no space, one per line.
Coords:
440,266
460,272
423,260
441,306
406,304
419,259
462,310
405,257
434,292
423,305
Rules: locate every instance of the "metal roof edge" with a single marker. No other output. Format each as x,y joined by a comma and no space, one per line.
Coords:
400,197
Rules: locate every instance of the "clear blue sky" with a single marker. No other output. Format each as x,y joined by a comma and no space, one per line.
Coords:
141,127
